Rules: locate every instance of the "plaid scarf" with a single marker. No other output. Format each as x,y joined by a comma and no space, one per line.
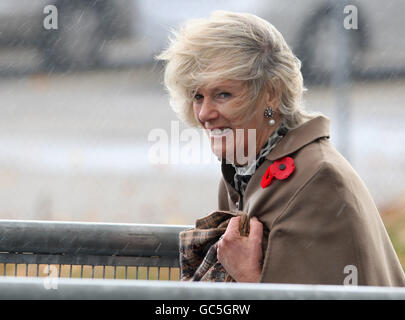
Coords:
198,253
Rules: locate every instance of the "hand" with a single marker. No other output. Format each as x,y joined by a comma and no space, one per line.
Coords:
241,256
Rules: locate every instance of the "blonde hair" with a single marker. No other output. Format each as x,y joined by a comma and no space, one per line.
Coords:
234,46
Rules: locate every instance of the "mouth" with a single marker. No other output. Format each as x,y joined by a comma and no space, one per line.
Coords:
219,132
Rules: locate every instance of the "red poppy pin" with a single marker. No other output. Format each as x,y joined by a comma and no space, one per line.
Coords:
280,169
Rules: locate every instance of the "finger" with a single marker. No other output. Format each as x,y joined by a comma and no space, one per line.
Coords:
256,229
232,231
219,240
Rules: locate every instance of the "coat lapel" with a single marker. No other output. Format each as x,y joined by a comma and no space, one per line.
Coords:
299,137
293,141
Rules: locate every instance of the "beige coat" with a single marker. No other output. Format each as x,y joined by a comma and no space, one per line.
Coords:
324,226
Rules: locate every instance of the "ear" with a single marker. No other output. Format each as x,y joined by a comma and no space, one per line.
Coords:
273,94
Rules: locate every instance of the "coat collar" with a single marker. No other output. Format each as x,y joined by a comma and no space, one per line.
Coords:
299,137
294,140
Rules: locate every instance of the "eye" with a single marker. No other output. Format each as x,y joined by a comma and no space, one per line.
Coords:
198,97
224,95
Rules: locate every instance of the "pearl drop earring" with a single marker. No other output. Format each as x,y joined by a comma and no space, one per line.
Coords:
268,113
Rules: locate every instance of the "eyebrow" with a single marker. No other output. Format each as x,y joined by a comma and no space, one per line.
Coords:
219,87
223,87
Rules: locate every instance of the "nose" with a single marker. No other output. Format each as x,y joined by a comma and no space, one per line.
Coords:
207,111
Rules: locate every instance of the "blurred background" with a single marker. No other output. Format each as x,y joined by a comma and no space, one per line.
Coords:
79,102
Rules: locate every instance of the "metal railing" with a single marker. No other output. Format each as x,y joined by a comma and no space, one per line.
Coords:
82,289
89,250
76,257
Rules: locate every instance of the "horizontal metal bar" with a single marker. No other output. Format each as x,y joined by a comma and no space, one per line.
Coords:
89,260
111,239
82,289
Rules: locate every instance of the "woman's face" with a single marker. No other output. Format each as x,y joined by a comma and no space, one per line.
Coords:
215,105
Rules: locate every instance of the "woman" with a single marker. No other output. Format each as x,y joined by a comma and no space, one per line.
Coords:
312,220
